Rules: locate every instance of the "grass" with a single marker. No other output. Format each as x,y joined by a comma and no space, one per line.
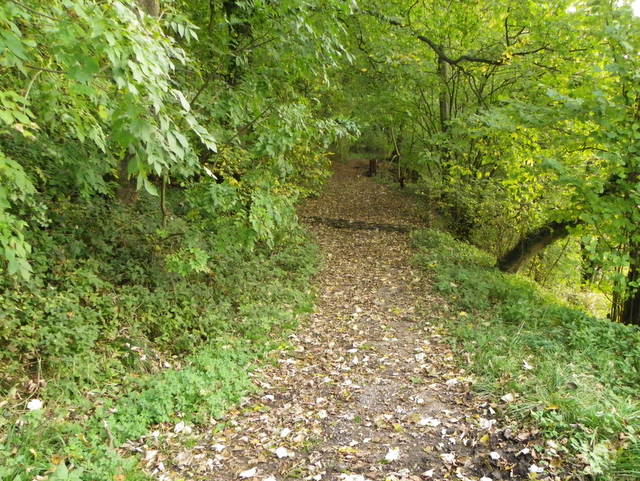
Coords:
577,377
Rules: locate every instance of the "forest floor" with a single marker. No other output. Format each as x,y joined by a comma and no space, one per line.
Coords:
370,389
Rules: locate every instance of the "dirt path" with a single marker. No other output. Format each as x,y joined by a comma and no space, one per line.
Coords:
370,391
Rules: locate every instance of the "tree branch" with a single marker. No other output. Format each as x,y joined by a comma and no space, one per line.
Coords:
33,11
439,50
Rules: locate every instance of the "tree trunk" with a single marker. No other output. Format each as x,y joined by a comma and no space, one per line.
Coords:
532,244
127,188
373,167
150,7
630,312
443,96
396,156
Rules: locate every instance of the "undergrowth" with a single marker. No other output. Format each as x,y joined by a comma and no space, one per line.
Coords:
127,324
576,376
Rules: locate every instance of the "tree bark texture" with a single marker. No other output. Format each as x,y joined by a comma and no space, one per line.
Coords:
532,244
443,96
150,7
629,313
373,167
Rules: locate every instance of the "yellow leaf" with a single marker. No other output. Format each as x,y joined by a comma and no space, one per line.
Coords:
347,450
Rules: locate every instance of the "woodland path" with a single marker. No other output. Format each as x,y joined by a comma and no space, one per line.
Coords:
370,390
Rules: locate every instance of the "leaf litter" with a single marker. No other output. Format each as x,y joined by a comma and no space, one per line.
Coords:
370,390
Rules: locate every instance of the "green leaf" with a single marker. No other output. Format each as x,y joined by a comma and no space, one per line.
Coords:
85,70
13,43
149,187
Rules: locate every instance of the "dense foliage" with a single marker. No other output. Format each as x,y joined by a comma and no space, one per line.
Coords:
152,153
519,120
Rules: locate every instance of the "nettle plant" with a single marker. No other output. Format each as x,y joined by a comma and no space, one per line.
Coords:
95,85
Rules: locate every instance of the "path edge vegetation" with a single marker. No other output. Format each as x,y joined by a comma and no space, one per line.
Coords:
571,375
79,431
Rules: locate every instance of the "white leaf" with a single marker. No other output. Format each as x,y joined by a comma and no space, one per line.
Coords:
448,458
392,454
249,473
34,405
509,397
352,477
535,469
429,422
150,455
495,456
218,448
283,452
183,458
285,432
486,423
485,478
428,474
420,356
179,427
526,366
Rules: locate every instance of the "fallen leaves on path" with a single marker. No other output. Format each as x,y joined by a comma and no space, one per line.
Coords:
370,390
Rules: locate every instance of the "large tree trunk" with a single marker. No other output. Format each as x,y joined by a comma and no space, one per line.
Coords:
534,243
443,96
626,305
